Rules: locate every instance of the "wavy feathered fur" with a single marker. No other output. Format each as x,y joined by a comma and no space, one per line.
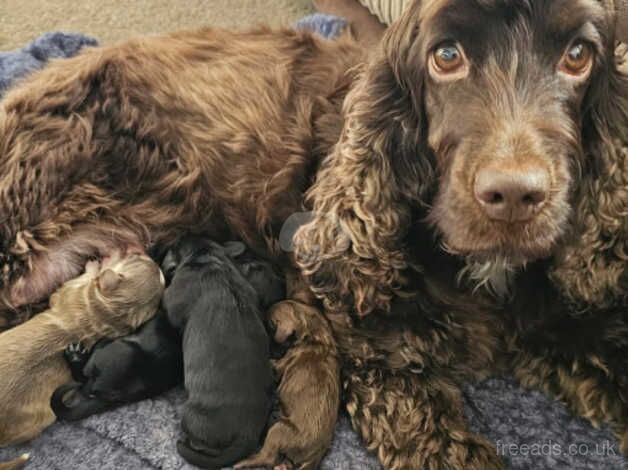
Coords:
352,251
591,265
369,187
136,144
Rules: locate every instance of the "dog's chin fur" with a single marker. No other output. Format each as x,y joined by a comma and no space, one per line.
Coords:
494,270
496,275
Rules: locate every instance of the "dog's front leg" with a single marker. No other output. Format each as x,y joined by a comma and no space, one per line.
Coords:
581,359
415,422
402,393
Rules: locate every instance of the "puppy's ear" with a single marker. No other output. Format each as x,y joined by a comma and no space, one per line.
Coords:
108,281
591,266
366,188
234,249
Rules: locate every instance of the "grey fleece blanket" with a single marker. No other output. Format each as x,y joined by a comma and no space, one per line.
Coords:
530,430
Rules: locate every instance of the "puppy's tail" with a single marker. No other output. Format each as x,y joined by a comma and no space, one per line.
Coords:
214,458
15,464
70,404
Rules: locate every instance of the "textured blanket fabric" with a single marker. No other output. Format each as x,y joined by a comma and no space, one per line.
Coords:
16,64
530,430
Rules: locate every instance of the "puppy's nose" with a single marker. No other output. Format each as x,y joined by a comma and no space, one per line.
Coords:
512,195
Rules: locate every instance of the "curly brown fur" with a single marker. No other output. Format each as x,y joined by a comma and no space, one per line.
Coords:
138,143
309,390
153,139
106,301
510,112
396,220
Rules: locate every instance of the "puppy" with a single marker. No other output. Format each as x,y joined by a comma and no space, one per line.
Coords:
132,368
309,391
108,300
216,297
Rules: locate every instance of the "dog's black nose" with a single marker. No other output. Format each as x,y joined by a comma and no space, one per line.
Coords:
512,195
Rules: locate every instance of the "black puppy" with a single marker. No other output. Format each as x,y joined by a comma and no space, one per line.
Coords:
216,297
132,368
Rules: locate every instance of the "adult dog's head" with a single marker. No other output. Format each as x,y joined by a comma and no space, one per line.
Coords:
504,122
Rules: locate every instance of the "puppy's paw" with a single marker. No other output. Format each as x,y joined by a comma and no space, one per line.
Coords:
76,352
255,461
15,464
266,458
76,355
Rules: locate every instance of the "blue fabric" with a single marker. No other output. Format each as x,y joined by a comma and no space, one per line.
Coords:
16,64
328,26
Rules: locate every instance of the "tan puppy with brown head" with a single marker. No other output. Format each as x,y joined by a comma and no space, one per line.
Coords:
309,391
108,300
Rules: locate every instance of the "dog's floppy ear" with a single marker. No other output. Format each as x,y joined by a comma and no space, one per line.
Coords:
234,249
620,8
591,266
350,251
108,281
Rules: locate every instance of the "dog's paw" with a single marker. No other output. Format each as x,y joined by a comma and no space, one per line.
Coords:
465,451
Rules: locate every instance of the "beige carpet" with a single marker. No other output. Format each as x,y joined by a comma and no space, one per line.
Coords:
113,20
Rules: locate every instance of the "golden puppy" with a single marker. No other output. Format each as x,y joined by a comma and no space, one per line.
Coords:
106,301
309,392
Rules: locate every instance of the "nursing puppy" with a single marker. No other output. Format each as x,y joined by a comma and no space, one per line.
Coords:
108,300
215,297
132,368
309,391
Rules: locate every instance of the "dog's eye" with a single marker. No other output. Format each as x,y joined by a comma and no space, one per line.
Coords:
448,60
577,59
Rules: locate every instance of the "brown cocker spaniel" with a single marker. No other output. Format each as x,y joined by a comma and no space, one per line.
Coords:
468,182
